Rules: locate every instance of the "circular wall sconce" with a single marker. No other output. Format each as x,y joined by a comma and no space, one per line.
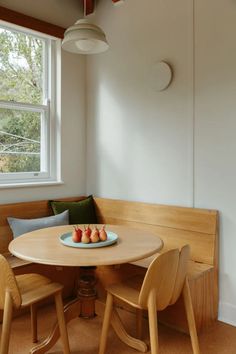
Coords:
161,76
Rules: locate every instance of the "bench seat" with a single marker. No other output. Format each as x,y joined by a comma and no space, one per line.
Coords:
195,269
16,262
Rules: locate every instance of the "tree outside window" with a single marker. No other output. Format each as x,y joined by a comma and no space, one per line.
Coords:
21,81
29,117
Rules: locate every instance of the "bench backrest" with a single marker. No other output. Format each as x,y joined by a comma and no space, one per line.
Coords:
177,226
24,210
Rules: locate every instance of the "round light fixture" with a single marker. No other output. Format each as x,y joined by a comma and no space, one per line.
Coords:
84,38
161,76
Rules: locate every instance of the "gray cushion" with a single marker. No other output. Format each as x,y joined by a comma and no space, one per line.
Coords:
21,226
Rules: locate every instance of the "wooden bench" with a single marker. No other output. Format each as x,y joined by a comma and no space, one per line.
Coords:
30,210
176,226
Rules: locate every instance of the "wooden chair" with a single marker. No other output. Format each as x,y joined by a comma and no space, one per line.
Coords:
27,290
162,285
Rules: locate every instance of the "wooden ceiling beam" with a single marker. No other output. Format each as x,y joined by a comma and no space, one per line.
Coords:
30,22
89,7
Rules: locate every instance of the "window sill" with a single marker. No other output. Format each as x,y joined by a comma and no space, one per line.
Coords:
30,184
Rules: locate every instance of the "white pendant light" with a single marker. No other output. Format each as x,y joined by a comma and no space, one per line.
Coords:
84,38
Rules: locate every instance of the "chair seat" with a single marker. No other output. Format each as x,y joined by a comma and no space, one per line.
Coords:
128,291
165,280
35,287
19,291
29,282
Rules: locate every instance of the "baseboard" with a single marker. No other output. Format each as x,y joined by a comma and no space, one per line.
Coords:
227,313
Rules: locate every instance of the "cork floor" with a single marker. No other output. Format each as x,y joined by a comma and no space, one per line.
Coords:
84,336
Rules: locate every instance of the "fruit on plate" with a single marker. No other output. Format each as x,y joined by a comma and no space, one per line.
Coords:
103,234
85,238
88,231
95,235
77,234
92,235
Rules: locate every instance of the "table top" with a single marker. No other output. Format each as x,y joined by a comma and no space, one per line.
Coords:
44,246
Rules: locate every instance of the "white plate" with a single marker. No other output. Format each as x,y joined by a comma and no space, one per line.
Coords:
66,239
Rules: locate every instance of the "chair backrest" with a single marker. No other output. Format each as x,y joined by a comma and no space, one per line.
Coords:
8,283
160,277
184,257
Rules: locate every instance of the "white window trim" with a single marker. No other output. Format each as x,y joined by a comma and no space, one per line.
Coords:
52,113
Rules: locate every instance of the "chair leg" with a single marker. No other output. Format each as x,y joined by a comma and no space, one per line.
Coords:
34,324
190,318
106,323
139,323
6,325
152,320
62,323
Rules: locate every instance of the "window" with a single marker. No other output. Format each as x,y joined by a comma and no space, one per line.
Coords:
28,114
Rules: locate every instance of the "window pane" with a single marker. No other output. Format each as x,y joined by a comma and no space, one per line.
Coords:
20,141
21,67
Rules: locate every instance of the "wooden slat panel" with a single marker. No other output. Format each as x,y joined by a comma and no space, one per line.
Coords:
175,225
26,210
30,22
202,245
201,289
192,219
5,238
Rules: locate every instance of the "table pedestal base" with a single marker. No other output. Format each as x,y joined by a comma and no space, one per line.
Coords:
87,295
72,310
86,306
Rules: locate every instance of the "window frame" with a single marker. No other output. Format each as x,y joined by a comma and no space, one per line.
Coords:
50,113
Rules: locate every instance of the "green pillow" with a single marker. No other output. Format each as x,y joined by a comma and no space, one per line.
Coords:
81,212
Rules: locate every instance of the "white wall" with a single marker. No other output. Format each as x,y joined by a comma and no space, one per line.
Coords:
139,140
215,167
72,107
177,146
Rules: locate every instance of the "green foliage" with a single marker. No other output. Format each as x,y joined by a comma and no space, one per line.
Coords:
21,67
21,80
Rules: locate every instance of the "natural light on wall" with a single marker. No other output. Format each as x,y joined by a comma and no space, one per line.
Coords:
106,143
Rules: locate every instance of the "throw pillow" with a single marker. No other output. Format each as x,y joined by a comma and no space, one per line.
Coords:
21,226
81,212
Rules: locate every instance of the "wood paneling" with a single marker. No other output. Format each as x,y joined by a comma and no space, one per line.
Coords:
182,218
175,225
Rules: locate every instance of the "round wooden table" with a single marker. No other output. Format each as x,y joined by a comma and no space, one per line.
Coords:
44,246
